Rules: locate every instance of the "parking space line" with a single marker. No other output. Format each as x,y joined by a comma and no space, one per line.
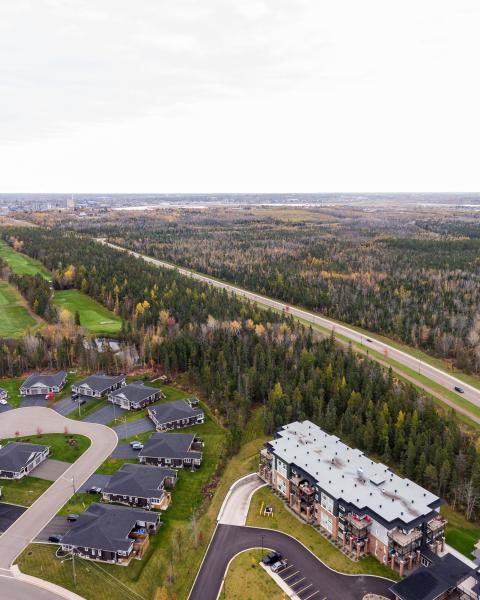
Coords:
287,568
292,575
314,594
304,588
302,579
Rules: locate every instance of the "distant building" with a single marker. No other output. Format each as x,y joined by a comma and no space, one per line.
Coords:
361,503
18,459
42,384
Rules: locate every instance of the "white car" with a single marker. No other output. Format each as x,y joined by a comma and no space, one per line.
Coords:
3,401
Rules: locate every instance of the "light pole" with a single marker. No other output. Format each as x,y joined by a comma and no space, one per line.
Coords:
262,536
73,484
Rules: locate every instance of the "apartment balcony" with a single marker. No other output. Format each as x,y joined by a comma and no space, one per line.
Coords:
404,540
436,526
266,456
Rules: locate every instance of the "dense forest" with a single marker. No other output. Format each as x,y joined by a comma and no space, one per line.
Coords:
421,289
243,357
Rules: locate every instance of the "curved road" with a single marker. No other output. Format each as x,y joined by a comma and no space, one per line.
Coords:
14,540
441,377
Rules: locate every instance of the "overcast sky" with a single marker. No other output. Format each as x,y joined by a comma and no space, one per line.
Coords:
239,95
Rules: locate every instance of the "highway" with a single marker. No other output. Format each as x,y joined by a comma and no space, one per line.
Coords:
440,377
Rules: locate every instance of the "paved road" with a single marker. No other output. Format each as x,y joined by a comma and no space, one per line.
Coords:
234,510
95,480
131,428
105,415
441,377
31,522
5,407
12,588
38,400
67,406
229,540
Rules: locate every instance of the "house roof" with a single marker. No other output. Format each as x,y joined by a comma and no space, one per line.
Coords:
139,481
106,527
348,474
44,379
170,445
429,583
99,382
174,411
16,455
135,392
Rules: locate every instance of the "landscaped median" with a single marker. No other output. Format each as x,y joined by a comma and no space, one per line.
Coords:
246,580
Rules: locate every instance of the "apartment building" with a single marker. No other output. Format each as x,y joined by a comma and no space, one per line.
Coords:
355,500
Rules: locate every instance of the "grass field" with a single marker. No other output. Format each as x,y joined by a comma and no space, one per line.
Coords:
246,580
23,491
20,263
15,319
64,447
93,316
460,533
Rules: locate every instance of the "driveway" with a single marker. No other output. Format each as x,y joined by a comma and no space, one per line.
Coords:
9,513
33,401
235,507
229,540
124,451
5,407
105,415
67,406
51,469
95,480
34,520
57,526
131,428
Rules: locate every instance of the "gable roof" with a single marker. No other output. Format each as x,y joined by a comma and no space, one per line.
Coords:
429,583
174,411
106,527
16,455
99,382
44,379
135,392
170,445
138,480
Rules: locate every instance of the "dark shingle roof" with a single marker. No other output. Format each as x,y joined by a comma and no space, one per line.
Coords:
170,445
100,382
135,392
428,583
139,481
16,455
174,411
106,527
46,379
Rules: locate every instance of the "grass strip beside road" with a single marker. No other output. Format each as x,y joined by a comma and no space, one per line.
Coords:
246,580
23,491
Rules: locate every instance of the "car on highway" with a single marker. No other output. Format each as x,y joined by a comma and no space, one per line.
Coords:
55,539
279,565
459,389
270,559
370,340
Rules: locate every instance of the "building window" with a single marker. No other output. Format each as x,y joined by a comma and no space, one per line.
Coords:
281,486
326,522
327,503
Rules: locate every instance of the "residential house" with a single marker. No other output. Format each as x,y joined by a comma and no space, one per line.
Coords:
109,533
135,396
18,459
174,450
176,415
140,486
355,501
43,383
98,385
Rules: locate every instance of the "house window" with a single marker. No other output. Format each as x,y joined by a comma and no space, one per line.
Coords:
281,486
327,502
326,522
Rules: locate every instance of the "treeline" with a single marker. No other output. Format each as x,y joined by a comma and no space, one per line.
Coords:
424,292
36,290
242,358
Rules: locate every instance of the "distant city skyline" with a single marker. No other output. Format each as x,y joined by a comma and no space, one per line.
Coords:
254,96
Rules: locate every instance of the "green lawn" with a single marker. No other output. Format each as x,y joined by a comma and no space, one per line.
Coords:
64,447
284,520
93,316
23,491
20,263
247,580
15,319
460,533
12,385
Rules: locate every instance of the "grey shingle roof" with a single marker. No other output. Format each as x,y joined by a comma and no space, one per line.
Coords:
16,455
48,380
106,527
135,392
100,383
170,445
139,481
174,411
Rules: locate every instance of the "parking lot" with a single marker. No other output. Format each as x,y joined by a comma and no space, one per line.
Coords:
9,513
298,583
131,428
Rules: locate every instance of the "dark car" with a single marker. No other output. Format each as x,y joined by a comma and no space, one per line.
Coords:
94,490
459,389
75,396
55,539
72,517
271,558
81,401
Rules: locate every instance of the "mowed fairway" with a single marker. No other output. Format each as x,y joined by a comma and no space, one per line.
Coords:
20,263
14,317
93,316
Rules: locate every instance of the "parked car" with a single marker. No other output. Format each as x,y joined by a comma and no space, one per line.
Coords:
459,389
279,565
72,517
3,401
81,401
94,490
75,396
55,539
271,558
136,445
369,340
